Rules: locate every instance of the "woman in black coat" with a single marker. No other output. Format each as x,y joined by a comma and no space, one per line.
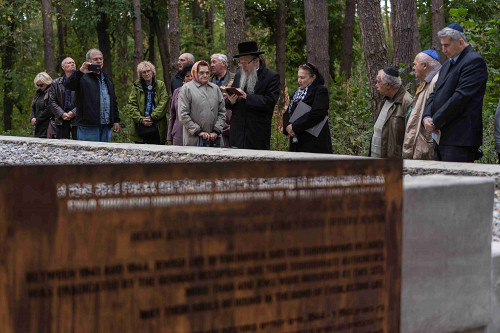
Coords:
40,111
312,92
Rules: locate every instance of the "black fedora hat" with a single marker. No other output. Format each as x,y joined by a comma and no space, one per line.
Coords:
248,48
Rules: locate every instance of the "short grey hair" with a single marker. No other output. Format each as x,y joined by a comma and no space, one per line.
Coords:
88,57
452,33
64,61
190,57
220,56
431,62
395,82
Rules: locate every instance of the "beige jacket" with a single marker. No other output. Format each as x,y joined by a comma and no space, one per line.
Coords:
201,108
417,144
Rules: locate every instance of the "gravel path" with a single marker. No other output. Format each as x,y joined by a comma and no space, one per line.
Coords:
30,154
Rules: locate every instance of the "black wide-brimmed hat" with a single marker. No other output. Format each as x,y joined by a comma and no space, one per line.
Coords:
248,48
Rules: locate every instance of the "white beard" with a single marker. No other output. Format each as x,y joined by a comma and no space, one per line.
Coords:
248,81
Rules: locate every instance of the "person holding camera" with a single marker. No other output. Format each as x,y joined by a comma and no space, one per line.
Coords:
202,109
95,100
148,103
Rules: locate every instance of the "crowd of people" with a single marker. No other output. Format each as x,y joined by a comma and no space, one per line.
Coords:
213,107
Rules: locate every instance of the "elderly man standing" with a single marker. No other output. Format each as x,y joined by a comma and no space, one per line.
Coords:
389,128
417,144
221,76
95,100
178,80
253,106
454,110
201,108
62,103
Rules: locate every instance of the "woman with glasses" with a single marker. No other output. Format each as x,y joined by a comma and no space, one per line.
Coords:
202,109
40,111
308,129
148,104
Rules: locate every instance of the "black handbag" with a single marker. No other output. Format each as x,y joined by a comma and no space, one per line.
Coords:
146,131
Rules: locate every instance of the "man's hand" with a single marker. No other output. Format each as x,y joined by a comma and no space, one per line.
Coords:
290,130
67,115
85,67
232,99
244,94
147,121
429,125
204,135
33,121
71,114
213,136
116,127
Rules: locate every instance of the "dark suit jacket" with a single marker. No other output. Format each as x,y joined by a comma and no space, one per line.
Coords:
317,98
251,118
456,104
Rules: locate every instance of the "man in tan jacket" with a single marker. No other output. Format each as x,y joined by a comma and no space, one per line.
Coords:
418,144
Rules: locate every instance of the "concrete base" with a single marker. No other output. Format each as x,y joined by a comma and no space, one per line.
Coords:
446,280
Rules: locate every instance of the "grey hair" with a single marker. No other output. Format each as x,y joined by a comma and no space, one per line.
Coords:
64,61
431,62
190,57
88,57
395,82
452,33
220,56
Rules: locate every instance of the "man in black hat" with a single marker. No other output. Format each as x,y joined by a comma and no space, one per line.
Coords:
389,120
253,106
454,110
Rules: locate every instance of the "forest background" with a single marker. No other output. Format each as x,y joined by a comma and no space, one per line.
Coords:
350,40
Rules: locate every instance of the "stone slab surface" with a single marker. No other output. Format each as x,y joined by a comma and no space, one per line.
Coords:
446,254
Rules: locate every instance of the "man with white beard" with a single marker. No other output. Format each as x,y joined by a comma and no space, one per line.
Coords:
258,92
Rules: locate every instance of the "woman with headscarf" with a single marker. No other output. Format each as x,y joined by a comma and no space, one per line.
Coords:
40,111
148,104
202,110
314,96
174,134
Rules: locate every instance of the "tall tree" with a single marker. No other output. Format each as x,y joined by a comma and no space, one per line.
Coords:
209,21
151,40
405,32
281,50
437,24
48,38
316,17
173,33
9,48
103,39
162,36
348,37
374,46
138,39
61,33
234,11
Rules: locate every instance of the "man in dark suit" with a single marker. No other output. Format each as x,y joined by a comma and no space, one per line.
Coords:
453,113
253,107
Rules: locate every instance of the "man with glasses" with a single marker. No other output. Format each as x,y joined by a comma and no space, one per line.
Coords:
253,105
95,100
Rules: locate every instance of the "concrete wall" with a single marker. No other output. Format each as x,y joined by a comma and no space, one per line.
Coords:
446,283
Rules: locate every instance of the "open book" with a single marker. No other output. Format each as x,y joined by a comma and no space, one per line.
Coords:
301,109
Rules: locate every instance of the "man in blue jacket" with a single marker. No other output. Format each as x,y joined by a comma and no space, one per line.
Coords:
95,100
454,110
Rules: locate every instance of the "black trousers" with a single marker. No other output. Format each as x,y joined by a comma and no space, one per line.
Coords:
65,130
455,153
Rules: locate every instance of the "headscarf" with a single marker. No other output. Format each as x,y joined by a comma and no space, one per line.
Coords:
194,70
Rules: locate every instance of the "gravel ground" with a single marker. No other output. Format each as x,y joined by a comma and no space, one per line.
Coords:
29,154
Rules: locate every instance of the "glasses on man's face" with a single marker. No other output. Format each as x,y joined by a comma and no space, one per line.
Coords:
245,64
97,59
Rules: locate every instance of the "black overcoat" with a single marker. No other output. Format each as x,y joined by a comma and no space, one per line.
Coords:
456,104
251,118
317,98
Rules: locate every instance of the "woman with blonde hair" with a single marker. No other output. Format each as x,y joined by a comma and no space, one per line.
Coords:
40,112
148,103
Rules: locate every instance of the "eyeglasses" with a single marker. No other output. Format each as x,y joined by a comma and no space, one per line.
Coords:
245,64
40,85
96,59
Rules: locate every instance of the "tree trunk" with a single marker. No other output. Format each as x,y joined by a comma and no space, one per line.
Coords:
138,40
7,65
209,22
316,19
387,20
173,33
104,42
164,53
281,51
151,43
416,40
437,24
347,38
197,23
374,46
234,11
404,16
48,38
60,32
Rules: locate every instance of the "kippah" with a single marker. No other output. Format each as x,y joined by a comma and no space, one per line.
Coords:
432,53
392,71
456,26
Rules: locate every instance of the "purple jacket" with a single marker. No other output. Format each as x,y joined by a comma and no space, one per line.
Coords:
174,133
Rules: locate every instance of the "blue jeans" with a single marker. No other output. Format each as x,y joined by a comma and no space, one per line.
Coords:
94,133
